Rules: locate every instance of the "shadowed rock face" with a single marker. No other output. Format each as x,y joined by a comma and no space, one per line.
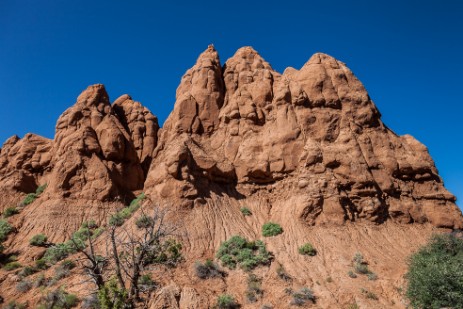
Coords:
313,131
311,137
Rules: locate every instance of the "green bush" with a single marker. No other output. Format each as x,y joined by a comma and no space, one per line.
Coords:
5,229
111,296
14,305
10,211
351,274
226,301
307,249
40,189
119,218
245,211
59,299
144,222
27,271
271,229
237,251
41,264
435,274
38,240
207,270
254,290
12,266
23,286
301,297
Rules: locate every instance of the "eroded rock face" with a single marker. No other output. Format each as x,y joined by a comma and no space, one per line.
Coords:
313,131
24,165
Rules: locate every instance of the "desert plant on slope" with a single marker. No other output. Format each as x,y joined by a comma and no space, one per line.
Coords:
31,197
254,290
10,211
208,269
39,240
5,229
435,274
59,299
301,297
119,218
271,229
307,249
226,301
245,211
237,251
11,266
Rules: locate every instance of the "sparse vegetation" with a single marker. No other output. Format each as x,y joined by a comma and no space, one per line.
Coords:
119,218
63,270
435,274
282,274
5,229
31,197
27,271
271,229
237,251
144,221
351,274
368,294
372,276
208,269
39,240
10,211
14,305
301,297
307,249
11,266
23,286
59,299
253,291
245,211
226,301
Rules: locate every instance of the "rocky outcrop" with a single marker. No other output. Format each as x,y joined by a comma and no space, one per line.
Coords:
313,131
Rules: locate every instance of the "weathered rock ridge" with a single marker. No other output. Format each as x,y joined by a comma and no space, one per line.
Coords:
312,137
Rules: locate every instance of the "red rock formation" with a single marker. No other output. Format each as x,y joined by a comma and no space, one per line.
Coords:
315,128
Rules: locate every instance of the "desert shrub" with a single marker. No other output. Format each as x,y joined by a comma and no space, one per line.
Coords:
351,274
353,306
245,211
58,252
90,224
226,301
111,296
282,274
207,270
144,222
146,283
361,266
168,253
10,211
271,229
307,249
63,270
302,296
253,290
14,305
27,271
368,294
41,264
237,251
372,276
40,189
59,299
31,197
38,240
11,266
435,274
23,286
5,229
40,280
119,218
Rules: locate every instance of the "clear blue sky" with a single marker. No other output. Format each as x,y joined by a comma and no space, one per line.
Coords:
407,53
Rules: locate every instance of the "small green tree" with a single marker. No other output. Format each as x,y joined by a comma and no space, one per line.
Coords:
38,240
271,229
435,274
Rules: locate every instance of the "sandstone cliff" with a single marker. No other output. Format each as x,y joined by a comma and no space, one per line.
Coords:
305,148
